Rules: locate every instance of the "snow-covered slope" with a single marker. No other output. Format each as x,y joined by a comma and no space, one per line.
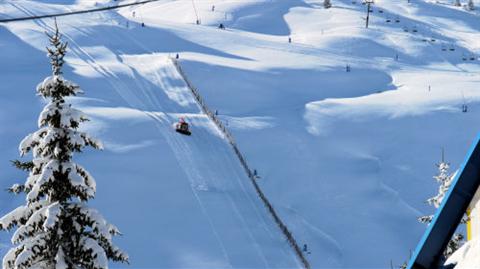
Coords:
345,157
467,256
184,201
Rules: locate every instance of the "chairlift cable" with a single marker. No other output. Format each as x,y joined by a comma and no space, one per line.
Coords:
75,12
195,10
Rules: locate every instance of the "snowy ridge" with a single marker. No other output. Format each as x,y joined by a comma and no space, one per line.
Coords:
244,164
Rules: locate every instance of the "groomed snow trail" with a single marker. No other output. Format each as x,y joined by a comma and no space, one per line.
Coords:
215,218
251,174
203,179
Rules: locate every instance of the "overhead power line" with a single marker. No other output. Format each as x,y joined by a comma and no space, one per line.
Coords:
75,12
195,9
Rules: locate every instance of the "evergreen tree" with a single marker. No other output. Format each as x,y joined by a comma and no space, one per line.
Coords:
457,3
455,243
445,180
55,227
327,4
470,5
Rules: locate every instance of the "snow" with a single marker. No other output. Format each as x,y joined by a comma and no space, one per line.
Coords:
51,215
345,158
68,114
26,251
100,261
100,225
20,212
466,256
9,256
50,83
60,259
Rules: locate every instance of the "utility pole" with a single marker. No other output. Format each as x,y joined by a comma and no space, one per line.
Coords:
368,2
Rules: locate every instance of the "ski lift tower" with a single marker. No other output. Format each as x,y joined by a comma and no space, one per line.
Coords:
463,196
369,10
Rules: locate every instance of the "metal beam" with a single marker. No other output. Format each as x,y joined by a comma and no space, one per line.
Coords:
429,252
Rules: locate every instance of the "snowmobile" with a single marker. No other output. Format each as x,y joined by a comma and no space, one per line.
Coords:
182,127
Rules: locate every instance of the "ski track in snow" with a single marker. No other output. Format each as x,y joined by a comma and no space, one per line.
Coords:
198,183
182,149
146,81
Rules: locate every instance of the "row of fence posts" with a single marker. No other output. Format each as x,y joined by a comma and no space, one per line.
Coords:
244,164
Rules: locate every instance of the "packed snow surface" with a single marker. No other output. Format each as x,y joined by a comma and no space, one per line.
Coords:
346,158
467,256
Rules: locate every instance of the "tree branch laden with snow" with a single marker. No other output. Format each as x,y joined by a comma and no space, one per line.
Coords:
56,228
444,179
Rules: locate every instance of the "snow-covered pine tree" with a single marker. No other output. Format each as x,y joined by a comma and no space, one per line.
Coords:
457,3
470,5
327,4
444,178
56,228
